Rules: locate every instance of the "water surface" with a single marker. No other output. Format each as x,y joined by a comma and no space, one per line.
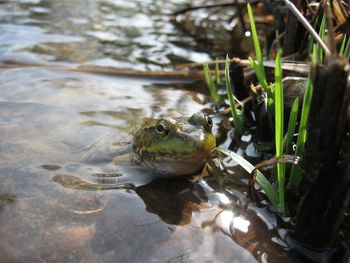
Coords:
59,128
107,33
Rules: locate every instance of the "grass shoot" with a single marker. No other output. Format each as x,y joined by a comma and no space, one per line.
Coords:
293,117
237,117
211,84
295,177
279,130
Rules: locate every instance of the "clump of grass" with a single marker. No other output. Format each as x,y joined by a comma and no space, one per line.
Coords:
213,82
275,191
259,68
282,140
275,113
315,47
317,58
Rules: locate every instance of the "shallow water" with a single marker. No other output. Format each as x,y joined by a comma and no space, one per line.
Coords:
50,120
107,33
59,129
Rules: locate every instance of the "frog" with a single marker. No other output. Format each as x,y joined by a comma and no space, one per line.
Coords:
178,147
174,146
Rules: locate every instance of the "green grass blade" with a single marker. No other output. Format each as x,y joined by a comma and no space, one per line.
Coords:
293,116
260,74
295,177
279,130
311,41
310,47
255,35
342,47
279,116
210,83
237,120
347,49
260,178
314,58
217,73
207,77
321,33
271,107
257,49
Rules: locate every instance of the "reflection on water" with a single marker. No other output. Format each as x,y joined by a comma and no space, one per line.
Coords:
106,33
172,199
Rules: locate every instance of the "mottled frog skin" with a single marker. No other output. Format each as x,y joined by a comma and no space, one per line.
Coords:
174,146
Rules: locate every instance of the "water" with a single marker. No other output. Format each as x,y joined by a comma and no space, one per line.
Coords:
58,128
118,34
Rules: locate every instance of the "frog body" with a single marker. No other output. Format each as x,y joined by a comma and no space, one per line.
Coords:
174,146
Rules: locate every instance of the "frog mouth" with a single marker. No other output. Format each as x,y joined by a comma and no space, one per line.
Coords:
197,158
174,165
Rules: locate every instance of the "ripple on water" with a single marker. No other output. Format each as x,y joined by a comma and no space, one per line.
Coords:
75,33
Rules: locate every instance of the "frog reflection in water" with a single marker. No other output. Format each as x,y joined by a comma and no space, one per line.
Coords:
178,146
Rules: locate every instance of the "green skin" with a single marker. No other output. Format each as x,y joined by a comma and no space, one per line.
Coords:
178,146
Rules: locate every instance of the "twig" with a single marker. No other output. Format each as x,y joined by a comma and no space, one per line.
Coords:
242,102
243,3
302,67
212,62
109,71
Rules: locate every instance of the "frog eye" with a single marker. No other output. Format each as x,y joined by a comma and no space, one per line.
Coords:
162,127
209,121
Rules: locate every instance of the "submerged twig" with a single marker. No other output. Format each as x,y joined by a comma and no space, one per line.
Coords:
110,71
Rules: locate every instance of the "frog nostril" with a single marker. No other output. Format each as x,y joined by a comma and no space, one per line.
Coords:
209,121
